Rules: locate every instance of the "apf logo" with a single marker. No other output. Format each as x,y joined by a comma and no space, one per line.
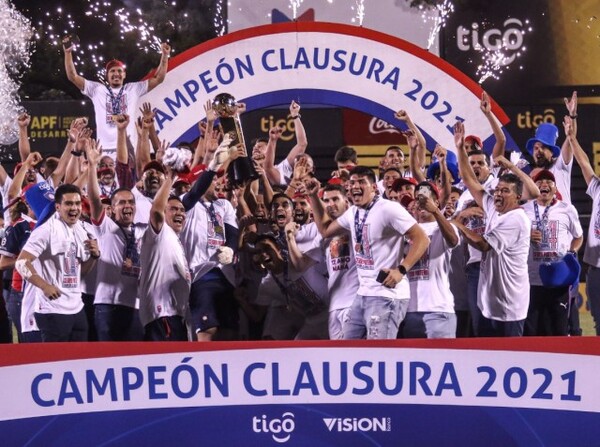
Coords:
280,428
510,38
358,424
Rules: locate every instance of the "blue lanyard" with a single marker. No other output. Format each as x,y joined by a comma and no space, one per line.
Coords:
358,226
543,222
115,101
213,217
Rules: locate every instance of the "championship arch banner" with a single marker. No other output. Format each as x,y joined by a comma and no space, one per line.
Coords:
471,392
321,63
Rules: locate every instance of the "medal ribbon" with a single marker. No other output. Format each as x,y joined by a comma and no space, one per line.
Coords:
358,226
115,101
543,222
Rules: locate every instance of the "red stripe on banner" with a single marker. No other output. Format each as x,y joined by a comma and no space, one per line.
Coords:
50,352
336,28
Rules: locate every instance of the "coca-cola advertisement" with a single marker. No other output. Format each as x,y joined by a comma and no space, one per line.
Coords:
361,129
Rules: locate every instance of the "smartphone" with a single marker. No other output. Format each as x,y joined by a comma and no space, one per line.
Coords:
424,191
381,276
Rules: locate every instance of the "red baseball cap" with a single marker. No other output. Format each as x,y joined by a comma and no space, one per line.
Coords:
114,63
403,181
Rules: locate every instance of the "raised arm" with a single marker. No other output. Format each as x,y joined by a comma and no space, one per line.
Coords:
301,140
582,159
148,116
566,150
24,147
142,150
16,186
530,189
94,154
72,75
402,115
440,154
466,171
72,168
327,227
161,71
500,144
77,125
446,227
157,212
416,153
206,134
472,238
299,260
269,162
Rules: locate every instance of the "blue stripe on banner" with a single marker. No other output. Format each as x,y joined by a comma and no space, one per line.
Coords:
313,96
314,425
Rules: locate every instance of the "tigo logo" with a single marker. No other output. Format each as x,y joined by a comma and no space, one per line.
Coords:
358,424
280,428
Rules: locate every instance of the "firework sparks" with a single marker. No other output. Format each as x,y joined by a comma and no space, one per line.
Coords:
219,21
495,60
60,22
295,5
15,52
360,12
440,18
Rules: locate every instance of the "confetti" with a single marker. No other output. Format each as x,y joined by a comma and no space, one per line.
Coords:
15,52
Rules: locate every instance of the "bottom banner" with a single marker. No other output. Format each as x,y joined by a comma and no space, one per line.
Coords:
492,392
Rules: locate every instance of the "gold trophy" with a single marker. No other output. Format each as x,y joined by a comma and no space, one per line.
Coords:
242,168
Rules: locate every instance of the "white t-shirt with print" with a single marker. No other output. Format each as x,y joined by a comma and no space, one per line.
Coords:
382,245
342,282
165,280
428,278
106,129
201,240
476,224
592,245
118,269
561,228
504,278
60,252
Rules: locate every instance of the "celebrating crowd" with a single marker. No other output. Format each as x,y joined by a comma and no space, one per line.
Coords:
113,242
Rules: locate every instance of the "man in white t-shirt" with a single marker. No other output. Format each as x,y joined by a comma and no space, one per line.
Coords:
431,308
547,155
165,279
475,220
556,231
113,96
504,246
210,238
592,244
65,251
116,300
339,255
379,228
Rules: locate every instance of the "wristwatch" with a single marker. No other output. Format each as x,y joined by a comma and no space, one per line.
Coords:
402,269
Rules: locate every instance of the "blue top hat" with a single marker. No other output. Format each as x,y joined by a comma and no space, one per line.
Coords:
452,164
40,198
562,273
547,134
